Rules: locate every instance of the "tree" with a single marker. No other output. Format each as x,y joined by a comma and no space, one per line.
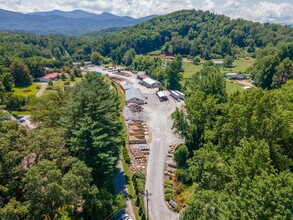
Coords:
209,80
181,155
196,60
20,73
173,75
92,119
97,58
6,79
128,57
225,46
228,62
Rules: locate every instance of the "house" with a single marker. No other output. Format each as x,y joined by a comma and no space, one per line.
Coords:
49,77
239,77
218,62
228,75
134,95
151,83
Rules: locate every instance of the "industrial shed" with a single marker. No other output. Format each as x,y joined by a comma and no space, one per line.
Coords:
151,83
134,95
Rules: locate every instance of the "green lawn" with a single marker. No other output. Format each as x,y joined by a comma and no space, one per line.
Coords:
232,87
240,65
189,69
27,91
48,92
60,82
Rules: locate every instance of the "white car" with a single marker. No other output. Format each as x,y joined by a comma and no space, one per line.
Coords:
125,217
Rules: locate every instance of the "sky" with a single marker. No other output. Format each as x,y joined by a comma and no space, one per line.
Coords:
274,11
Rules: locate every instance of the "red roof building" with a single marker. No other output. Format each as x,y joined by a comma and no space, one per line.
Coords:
48,77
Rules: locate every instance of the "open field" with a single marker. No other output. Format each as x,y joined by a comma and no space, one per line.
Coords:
60,82
28,90
232,87
240,65
189,69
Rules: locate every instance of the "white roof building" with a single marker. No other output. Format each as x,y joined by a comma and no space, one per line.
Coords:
151,83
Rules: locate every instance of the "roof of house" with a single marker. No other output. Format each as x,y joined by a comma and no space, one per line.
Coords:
149,81
231,74
50,75
125,85
133,93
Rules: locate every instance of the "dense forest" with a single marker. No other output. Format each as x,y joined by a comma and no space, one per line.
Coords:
193,32
64,168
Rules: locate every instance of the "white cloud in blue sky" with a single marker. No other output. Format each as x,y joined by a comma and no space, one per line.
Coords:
278,11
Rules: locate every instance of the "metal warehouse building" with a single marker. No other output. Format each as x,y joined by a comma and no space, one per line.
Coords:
151,83
132,94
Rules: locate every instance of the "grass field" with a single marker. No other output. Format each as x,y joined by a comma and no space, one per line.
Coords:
240,65
60,82
189,69
48,92
27,91
232,87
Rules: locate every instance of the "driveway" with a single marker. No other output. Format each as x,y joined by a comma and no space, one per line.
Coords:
158,119
157,116
43,88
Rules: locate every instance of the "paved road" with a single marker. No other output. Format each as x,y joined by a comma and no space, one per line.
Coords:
44,86
157,116
120,185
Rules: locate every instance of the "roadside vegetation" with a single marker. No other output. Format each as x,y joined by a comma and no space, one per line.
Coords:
236,145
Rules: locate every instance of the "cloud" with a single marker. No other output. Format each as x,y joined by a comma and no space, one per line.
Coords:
267,12
135,8
208,5
258,10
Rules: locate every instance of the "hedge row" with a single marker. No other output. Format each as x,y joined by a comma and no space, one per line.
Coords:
168,190
126,156
138,180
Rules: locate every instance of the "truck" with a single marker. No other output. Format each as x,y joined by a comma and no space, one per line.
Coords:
182,96
175,95
162,96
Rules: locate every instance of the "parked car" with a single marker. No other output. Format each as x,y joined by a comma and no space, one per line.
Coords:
125,217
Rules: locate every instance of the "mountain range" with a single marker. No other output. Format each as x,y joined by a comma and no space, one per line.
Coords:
73,23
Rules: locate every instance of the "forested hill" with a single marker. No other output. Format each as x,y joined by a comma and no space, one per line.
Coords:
59,22
196,33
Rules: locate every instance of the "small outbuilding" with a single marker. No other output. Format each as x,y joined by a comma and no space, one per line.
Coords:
151,83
